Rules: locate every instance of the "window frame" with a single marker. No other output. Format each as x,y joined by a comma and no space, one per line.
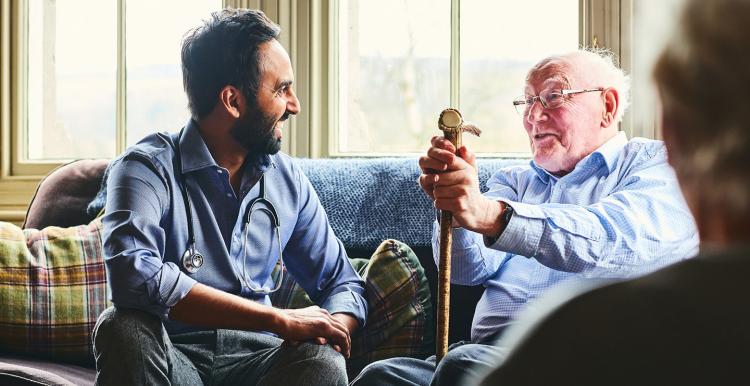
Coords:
308,29
606,23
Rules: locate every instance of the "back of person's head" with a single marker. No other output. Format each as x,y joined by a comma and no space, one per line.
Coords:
703,77
224,51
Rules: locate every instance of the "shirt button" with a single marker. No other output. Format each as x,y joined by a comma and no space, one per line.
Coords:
229,194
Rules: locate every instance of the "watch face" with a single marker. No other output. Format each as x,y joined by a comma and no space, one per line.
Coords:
507,213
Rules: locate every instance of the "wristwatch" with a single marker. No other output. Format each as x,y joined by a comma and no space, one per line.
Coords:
507,214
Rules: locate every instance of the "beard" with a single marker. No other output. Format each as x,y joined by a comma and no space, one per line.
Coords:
255,132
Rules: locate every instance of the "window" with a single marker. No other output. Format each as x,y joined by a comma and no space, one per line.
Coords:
101,74
400,62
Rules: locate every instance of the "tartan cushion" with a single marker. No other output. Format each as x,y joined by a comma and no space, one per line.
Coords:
52,289
400,309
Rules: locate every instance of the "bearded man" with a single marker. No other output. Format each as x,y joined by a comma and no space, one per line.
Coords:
197,220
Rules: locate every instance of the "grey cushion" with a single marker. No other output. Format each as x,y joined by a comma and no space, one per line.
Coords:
27,371
63,195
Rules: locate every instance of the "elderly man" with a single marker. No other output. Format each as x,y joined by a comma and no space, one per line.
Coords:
591,204
686,324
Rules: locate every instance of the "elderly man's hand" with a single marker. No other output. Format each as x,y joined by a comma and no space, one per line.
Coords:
453,184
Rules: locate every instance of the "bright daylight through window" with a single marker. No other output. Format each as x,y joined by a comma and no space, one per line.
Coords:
393,69
71,80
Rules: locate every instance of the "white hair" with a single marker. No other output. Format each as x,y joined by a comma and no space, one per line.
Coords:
601,69
605,66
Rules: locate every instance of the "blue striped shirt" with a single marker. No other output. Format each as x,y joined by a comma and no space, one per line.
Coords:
145,230
618,214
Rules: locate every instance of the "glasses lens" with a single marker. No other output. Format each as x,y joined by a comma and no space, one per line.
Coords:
520,105
552,98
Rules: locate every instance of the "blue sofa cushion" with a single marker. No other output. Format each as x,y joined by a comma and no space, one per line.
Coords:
369,200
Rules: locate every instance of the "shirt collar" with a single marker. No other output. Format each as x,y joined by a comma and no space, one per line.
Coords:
192,144
194,152
608,153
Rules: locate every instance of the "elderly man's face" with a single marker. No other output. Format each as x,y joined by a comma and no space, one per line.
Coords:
561,137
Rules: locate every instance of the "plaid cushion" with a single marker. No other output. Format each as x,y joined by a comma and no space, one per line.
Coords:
52,289
400,309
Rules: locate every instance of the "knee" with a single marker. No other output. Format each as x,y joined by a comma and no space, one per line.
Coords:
383,372
325,360
455,365
117,327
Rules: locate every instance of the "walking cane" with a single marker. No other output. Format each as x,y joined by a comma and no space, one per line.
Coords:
452,124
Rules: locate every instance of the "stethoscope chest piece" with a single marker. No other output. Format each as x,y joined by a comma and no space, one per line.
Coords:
192,260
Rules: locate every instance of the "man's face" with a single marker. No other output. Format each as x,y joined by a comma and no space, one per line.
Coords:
259,130
561,137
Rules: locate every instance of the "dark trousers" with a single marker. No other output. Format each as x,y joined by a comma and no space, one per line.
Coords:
462,362
133,348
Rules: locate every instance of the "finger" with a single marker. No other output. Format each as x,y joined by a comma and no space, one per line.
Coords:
450,192
340,335
320,340
427,183
457,177
339,338
468,156
442,143
336,347
441,155
431,165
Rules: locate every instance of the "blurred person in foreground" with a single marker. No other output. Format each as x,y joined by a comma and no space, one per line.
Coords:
591,204
686,324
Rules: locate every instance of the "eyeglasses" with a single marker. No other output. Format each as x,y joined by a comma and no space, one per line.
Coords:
550,99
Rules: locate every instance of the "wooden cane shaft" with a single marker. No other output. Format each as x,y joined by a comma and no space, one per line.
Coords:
444,270
444,284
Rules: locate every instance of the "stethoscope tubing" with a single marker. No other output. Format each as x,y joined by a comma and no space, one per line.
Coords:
192,259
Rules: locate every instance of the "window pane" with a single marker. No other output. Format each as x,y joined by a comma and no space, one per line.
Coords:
155,97
500,41
393,73
71,79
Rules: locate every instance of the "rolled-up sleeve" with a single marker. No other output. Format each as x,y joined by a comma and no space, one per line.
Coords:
321,264
134,241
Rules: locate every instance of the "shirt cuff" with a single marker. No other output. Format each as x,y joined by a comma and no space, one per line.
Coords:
347,302
173,286
523,233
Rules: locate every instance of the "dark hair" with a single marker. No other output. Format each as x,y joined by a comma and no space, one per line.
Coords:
224,51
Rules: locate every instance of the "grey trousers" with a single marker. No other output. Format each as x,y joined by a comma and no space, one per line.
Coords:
133,348
463,363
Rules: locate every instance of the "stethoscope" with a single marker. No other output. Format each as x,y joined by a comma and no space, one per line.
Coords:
192,260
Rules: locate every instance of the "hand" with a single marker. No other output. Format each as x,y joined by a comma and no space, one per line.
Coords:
314,323
349,321
453,183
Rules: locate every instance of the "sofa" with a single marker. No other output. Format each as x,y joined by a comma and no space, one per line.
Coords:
367,200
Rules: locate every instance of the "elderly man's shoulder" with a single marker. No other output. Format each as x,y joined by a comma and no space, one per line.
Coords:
639,147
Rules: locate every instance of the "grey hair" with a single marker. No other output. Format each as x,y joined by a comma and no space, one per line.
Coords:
602,66
605,63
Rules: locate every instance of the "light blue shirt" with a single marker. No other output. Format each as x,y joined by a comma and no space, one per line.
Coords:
618,214
145,230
